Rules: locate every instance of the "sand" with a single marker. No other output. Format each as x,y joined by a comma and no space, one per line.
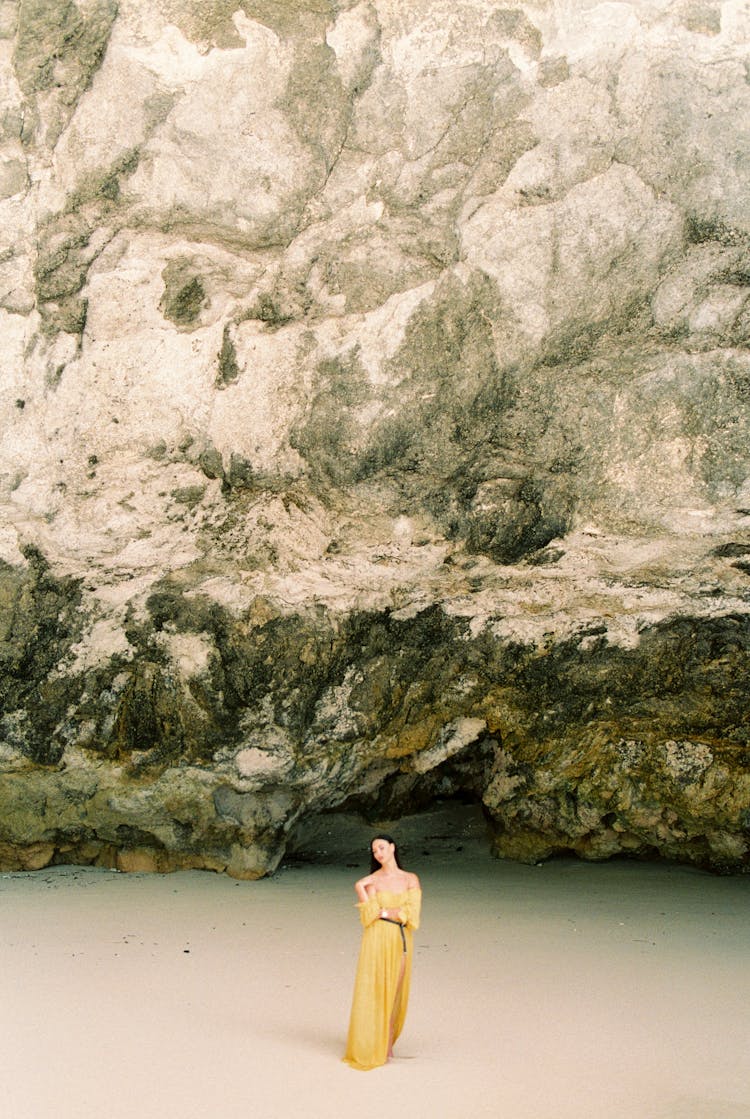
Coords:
609,991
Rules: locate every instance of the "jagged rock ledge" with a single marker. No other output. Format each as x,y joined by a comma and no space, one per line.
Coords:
216,731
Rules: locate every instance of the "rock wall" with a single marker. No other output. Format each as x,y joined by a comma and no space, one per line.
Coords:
374,417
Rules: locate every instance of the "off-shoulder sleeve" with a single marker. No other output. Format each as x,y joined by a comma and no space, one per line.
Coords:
412,908
368,911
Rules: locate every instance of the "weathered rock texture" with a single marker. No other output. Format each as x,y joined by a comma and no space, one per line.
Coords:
375,402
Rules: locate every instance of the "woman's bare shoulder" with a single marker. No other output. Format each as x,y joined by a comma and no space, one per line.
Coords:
412,881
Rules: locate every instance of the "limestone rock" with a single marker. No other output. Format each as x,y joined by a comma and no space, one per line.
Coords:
373,426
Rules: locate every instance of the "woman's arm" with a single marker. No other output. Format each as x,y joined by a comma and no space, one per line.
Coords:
367,903
361,887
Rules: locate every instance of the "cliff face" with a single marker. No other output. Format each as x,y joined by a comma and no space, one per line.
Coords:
375,403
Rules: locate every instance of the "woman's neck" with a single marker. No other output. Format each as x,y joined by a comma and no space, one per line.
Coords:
389,868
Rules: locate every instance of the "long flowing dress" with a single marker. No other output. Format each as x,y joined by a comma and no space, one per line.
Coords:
383,980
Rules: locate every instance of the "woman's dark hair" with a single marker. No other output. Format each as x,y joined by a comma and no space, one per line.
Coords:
374,864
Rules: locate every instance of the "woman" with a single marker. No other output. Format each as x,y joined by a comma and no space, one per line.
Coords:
389,904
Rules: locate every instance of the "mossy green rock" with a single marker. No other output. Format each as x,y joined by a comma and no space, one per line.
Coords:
59,47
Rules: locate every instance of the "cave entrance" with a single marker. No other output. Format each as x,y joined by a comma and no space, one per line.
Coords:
446,829
432,814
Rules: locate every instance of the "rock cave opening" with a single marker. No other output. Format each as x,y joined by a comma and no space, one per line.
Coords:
438,813
445,827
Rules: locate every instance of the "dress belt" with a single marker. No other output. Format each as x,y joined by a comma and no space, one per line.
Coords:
400,926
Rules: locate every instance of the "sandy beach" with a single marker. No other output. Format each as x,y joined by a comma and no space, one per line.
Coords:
564,991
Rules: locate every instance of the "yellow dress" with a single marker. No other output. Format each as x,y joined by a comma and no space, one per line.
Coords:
381,993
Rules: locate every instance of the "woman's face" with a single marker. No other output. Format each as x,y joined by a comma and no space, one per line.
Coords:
383,850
